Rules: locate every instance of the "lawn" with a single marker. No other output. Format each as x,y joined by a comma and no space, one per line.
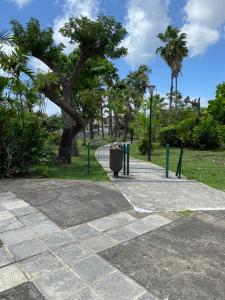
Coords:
78,169
205,166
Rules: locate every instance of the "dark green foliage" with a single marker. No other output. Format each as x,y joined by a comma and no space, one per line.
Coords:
22,141
100,37
185,130
143,146
217,107
207,134
169,135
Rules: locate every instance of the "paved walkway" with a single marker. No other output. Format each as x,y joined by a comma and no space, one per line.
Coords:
41,260
120,255
148,190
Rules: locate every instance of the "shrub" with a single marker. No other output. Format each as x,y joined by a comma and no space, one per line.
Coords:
169,135
207,134
143,146
23,141
185,130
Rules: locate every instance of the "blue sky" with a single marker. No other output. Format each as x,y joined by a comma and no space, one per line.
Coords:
202,20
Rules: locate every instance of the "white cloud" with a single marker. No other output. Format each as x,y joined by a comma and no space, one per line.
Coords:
20,3
38,66
203,22
75,8
144,20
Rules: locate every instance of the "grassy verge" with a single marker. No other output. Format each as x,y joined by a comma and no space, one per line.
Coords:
76,170
205,166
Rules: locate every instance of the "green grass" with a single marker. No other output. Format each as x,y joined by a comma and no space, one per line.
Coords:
76,170
204,166
186,213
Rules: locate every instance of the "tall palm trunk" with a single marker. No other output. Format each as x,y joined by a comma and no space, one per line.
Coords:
176,103
171,91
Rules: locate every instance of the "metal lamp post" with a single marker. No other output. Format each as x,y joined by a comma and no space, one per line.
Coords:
151,91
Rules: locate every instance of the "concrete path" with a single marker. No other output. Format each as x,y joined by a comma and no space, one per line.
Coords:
148,190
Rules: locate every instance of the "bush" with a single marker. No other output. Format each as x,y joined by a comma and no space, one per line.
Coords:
207,134
185,130
169,135
143,146
23,141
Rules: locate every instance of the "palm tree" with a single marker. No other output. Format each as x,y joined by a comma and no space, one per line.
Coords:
173,52
5,39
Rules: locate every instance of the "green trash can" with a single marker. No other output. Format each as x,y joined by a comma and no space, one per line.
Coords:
116,158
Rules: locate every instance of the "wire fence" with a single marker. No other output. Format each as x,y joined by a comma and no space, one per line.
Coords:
84,164
206,166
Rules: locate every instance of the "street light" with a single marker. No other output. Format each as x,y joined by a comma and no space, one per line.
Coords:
151,91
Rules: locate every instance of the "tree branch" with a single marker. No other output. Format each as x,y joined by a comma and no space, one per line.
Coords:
73,77
51,92
49,64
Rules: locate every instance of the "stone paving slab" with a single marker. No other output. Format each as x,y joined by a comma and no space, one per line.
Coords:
72,252
39,265
181,260
10,224
59,285
82,231
15,204
123,218
116,286
26,291
5,257
19,212
103,224
85,294
99,242
5,215
11,276
56,239
26,249
92,268
15,236
121,234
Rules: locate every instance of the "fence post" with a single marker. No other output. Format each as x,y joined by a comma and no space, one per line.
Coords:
167,159
124,159
179,165
128,159
181,160
88,166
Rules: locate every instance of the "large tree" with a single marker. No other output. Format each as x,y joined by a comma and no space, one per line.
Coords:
173,52
98,38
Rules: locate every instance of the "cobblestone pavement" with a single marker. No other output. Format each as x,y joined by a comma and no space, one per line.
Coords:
41,260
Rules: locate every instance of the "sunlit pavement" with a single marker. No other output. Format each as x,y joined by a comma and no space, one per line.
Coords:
121,254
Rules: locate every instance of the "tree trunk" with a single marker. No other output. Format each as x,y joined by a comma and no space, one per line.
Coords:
176,79
171,91
110,124
75,149
66,144
131,136
126,125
